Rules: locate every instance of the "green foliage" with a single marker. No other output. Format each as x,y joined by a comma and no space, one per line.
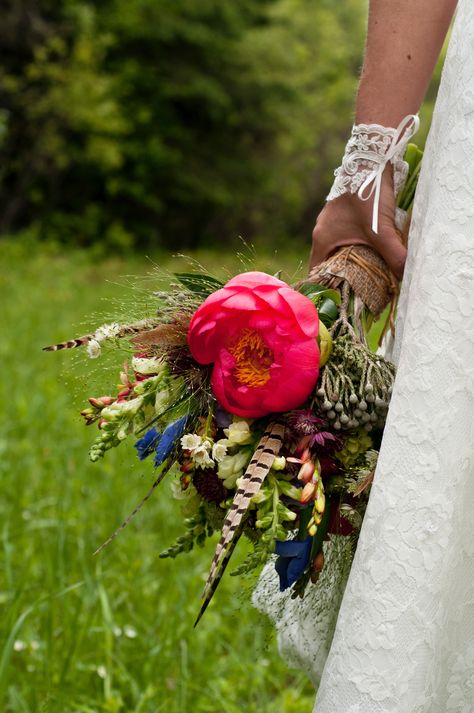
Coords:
114,632
173,123
196,530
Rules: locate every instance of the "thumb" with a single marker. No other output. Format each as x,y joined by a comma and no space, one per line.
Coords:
389,245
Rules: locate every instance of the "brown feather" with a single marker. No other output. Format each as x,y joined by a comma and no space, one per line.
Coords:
126,330
174,335
258,468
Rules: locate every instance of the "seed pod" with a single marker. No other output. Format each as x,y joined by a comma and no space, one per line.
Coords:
308,492
368,427
337,425
357,413
363,405
321,393
327,405
320,502
344,419
339,407
370,398
365,417
306,471
369,388
331,414
353,399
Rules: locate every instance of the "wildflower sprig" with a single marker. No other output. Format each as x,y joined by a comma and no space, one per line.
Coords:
197,529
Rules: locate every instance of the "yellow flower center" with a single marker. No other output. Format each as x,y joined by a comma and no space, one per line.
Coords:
253,359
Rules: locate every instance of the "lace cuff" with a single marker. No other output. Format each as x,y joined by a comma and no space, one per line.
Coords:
368,151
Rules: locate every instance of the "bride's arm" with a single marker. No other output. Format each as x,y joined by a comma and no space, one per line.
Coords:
404,40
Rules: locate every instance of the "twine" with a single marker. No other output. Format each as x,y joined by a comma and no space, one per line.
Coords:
366,273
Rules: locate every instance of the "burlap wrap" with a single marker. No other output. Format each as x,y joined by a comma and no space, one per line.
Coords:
364,270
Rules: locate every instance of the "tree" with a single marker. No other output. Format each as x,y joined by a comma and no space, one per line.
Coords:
175,122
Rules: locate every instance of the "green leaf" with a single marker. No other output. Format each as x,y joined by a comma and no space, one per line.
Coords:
325,299
328,312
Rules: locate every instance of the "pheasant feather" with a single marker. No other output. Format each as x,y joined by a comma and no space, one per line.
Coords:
215,583
258,468
123,331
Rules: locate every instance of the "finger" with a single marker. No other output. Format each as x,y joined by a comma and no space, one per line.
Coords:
390,247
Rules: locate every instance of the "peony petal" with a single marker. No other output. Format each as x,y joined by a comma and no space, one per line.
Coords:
255,279
293,380
287,320
244,299
304,311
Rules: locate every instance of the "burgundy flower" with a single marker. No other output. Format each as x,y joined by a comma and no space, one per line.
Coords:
209,486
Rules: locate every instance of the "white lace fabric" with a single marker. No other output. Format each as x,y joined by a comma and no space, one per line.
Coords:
404,636
370,148
364,152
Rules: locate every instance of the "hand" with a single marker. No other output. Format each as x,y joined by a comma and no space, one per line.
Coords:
347,220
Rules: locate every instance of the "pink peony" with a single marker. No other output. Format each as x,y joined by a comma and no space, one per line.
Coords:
261,337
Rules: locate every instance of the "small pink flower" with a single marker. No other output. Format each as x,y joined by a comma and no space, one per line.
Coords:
261,337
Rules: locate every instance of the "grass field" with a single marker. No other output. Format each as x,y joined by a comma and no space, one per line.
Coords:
80,634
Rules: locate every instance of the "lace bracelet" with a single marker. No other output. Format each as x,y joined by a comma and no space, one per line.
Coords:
368,151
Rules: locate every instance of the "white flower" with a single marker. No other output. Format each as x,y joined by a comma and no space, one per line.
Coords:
93,349
201,456
146,366
232,467
239,432
199,449
101,672
19,645
219,450
130,632
107,331
191,441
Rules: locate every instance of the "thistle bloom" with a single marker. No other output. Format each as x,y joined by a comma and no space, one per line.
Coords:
261,337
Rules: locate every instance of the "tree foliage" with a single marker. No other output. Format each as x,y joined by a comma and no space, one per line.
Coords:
173,122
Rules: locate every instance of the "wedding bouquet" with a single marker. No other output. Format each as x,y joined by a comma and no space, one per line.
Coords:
262,404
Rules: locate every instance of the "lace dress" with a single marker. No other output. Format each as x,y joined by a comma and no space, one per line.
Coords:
404,637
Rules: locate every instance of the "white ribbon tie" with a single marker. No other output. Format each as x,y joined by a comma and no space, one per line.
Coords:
403,133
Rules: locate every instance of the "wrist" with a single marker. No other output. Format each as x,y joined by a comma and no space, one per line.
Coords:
369,150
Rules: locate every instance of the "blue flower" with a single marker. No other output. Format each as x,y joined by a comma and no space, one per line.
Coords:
293,559
146,445
167,441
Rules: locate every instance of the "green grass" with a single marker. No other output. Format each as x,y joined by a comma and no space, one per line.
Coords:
80,634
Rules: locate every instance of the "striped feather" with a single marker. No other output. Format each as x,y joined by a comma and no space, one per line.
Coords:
258,468
217,578
126,330
70,343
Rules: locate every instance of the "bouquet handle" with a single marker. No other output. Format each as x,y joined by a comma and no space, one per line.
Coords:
364,270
